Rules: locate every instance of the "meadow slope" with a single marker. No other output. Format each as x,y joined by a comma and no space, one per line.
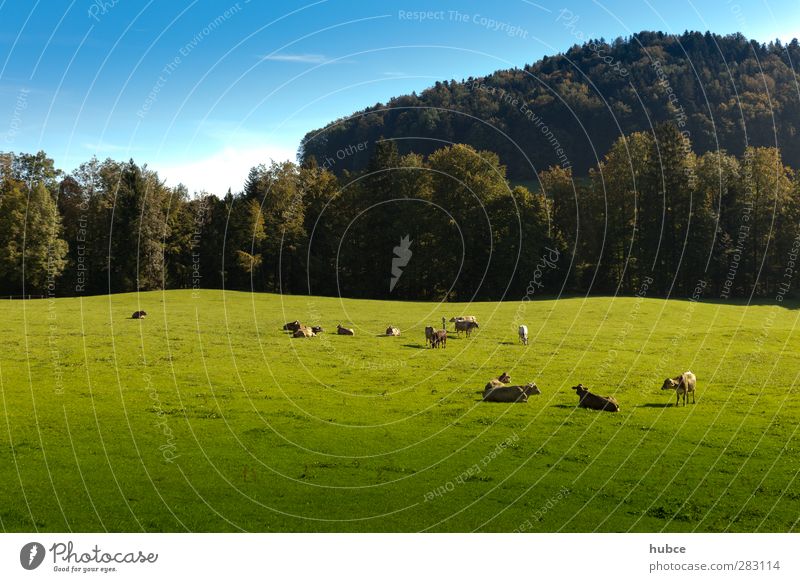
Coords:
206,417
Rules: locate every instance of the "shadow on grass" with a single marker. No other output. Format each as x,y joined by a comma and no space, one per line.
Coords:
415,346
564,406
656,405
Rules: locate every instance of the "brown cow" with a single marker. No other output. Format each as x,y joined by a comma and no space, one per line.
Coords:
303,332
292,326
392,331
510,393
429,333
682,384
466,326
595,402
344,330
139,315
503,378
439,339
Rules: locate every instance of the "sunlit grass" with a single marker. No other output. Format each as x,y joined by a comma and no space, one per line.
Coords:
206,416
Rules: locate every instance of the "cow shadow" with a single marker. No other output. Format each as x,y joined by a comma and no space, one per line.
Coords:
656,405
414,346
564,405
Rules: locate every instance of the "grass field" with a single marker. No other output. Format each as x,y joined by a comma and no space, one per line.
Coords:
206,417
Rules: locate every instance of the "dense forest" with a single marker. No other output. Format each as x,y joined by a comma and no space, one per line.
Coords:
663,165
652,217
726,92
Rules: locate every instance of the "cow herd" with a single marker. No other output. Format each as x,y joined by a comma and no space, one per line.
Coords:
499,389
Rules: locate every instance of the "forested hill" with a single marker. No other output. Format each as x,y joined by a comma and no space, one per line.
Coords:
727,92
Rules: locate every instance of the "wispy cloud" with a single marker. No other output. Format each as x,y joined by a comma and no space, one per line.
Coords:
310,59
104,146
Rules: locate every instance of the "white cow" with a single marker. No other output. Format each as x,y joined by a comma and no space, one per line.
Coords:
523,334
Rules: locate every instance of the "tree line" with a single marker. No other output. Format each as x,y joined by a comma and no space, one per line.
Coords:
652,213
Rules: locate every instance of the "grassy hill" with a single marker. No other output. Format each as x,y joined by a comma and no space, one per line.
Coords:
206,417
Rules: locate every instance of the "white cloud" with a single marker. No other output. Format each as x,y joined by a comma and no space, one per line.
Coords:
311,59
224,169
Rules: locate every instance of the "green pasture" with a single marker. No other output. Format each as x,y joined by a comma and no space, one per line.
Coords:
207,417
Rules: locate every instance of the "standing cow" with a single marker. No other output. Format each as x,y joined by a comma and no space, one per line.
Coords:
523,334
429,333
466,326
682,384
439,339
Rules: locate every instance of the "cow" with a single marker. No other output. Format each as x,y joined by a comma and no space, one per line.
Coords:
392,331
303,332
439,339
139,315
595,402
682,384
429,333
344,330
292,326
503,378
317,329
457,318
510,393
466,326
523,334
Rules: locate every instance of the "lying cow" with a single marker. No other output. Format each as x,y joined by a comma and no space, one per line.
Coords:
523,334
139,315
303,332
682,384
458,318
466,326
595,402
292,326
510,393
316,329
344,330
503,378
393,331
439,339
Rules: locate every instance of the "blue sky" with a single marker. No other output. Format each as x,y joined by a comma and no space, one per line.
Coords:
202,90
